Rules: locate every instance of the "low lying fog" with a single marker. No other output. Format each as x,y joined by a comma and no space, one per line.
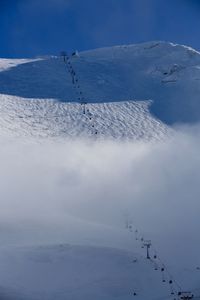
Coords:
77,191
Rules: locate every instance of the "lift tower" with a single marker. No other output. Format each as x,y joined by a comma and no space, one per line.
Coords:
147,244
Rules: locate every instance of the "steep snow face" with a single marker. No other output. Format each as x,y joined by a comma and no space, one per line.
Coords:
165,73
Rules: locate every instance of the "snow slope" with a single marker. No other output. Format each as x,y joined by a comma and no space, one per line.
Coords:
131,91
165,73
79,272
50,118
66,271
108,264
168,74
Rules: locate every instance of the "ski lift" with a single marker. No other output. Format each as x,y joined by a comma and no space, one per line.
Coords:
75,53
63,54
142,240
163,276
130,227
136,234
147,244
155,267
185,295
171,286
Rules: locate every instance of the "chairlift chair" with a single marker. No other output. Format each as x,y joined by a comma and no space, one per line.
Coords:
163,276
185,295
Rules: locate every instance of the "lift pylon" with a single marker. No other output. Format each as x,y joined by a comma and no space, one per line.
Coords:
147,244
63,54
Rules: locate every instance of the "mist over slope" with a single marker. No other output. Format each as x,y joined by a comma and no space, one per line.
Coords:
65,201
55,195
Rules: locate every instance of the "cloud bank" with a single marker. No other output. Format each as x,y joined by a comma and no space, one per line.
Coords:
53,192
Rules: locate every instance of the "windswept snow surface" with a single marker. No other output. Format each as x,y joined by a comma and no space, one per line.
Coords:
49,118
38,99
131,92
165,73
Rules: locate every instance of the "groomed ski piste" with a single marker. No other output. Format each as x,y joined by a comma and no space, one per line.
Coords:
120,93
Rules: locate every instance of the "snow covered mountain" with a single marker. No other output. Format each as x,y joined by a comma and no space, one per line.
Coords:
133,92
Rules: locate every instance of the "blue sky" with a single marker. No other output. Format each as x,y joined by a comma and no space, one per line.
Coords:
34,27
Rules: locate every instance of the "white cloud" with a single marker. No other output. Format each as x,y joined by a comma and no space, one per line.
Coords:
49,187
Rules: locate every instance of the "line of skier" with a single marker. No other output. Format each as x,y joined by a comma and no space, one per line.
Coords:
175,289
75,83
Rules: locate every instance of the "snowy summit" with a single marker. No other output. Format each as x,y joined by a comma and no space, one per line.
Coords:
132,92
